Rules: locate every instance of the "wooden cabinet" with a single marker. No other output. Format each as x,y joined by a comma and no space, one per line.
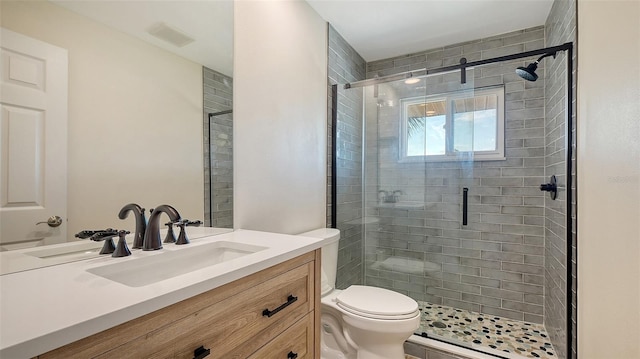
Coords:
274,313
295,342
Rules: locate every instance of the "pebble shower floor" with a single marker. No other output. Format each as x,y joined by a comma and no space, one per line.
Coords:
488,333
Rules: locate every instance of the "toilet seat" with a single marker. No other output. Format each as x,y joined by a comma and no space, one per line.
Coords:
376,303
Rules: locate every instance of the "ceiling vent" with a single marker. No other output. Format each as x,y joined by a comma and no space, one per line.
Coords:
169,34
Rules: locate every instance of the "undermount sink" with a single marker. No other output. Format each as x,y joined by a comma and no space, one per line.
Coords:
143,271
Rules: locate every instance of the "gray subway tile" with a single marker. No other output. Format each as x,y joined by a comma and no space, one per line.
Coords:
458,269
484,282
503,294
523,288
522,307
505,313
522,249
502,275
461,287
480,263
523,268
501,256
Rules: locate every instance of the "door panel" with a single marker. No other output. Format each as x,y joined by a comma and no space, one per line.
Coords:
33,141
24,157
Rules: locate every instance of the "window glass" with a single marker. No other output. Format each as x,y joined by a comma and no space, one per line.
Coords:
426,129
475,123
440,128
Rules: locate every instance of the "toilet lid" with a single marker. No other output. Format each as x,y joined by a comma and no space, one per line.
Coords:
377,303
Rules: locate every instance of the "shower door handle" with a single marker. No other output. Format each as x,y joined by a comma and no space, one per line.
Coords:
465,205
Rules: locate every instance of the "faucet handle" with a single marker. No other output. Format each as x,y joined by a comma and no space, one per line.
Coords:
87,233
105,235
182,237
170,237
122,250
195,223
108,247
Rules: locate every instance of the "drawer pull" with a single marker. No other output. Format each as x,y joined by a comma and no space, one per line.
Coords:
201,352
270,313
292,355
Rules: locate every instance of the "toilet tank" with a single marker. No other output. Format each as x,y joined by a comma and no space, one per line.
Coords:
329,256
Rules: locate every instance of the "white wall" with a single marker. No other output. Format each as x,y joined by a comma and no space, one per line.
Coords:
608,179
135,118
280,111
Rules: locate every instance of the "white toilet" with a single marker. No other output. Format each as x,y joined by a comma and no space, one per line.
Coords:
361,322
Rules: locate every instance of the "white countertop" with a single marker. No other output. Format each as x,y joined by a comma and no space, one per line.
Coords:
44,256
43,309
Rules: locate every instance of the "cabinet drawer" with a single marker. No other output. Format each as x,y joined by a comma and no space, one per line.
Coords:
228,324
295,342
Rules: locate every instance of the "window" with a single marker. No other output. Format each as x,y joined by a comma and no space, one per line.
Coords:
453,127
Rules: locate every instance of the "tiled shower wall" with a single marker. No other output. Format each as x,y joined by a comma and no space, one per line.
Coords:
560,28
495,264
346,65
218,145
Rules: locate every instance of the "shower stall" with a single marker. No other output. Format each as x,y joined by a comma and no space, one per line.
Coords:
219,172
218,148
449,185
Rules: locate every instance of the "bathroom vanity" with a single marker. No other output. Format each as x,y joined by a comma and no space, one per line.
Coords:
263,304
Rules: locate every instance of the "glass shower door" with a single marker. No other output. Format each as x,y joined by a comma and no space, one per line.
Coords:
450,211
420,138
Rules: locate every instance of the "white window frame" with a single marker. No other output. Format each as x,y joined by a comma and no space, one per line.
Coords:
450,155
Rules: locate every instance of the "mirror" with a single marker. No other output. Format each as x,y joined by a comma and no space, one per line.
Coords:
137,107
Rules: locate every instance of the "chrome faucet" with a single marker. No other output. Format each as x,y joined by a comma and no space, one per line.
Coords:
152,239
141,222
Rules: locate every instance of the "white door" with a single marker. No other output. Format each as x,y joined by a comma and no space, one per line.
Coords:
33,141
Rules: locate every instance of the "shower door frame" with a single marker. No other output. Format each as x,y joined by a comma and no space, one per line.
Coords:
568,47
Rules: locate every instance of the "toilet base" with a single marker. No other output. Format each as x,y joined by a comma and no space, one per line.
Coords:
333,345
348,336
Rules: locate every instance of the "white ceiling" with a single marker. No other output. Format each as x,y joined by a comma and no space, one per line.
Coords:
379,29
209,22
